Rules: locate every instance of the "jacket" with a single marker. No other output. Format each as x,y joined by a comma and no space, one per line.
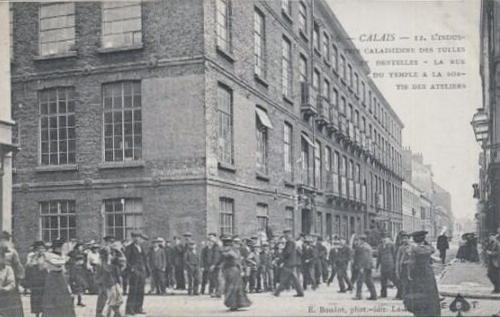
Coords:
157,259
386,257
442,242
288,256
136,259
363,256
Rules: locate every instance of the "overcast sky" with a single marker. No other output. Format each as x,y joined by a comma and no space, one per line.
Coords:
437,122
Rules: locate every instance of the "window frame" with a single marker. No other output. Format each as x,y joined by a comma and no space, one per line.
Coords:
71,41
260,51
125,44
70,212
230,115
230,215
124,213
226,26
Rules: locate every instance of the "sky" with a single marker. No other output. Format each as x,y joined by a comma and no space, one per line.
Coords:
437,121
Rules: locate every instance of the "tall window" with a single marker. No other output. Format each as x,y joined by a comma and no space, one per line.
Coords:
326,89
121,24
288,150
286,67
225,122
335,57
302,69
57,28
289,219
325,49
123,216
356,83
262,126
363,92
305,173
122,121
57,220
315,82
316,39
343,69
260,44
303,18
319,223
286,6
335,170
262,217
349,75
223,24
226,216
317,165
57,126
328,160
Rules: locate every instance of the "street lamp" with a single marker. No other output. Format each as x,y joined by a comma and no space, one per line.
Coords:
480,125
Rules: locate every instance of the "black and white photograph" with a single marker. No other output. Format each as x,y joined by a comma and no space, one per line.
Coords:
249,158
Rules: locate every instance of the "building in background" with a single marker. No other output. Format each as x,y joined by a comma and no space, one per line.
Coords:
486,122
426,205
7,125
168,116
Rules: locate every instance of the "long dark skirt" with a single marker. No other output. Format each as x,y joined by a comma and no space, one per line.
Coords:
10,304
234,295
35,279
57,301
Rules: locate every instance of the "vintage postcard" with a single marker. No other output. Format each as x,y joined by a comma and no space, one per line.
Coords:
249,158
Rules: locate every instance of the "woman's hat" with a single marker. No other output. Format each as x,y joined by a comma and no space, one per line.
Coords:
420,233
38,244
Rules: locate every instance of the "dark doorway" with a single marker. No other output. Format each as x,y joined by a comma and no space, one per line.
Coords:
306,221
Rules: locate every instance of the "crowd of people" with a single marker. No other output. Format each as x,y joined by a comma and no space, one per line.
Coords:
225,266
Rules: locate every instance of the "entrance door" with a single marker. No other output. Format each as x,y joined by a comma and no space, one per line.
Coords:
306,221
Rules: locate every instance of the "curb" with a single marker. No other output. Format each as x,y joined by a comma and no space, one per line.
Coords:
469,295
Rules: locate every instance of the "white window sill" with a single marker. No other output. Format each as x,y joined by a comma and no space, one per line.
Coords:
55,56
134,47
121,164
56,168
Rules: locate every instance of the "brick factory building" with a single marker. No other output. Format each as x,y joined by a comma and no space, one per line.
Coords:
219,115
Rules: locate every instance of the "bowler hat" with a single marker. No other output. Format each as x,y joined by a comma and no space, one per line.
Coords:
419,233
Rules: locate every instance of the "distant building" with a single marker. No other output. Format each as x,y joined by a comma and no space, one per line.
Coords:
412,218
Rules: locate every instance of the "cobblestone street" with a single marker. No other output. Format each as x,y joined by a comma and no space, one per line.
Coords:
323,302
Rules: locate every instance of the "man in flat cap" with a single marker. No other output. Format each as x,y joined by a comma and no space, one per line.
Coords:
289,261
214,263
138,271
363,255
157,262
386,262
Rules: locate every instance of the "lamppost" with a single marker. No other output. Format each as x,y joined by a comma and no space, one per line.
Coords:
481,126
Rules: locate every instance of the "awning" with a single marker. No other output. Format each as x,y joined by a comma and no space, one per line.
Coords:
306,138
264,118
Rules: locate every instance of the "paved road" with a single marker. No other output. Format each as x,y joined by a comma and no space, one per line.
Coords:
323,302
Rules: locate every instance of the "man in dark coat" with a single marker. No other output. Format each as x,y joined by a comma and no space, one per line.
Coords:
321,270
180,283
204,265
137,271
363,262
386,262
308,265
289,261
192,262
341,259
214,262
442,245
169,264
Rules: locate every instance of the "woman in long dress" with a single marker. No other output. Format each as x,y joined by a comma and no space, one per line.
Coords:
10,300
234,295
35,276
57,302
422,296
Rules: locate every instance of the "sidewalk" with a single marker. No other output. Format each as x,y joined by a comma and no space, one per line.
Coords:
467,279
